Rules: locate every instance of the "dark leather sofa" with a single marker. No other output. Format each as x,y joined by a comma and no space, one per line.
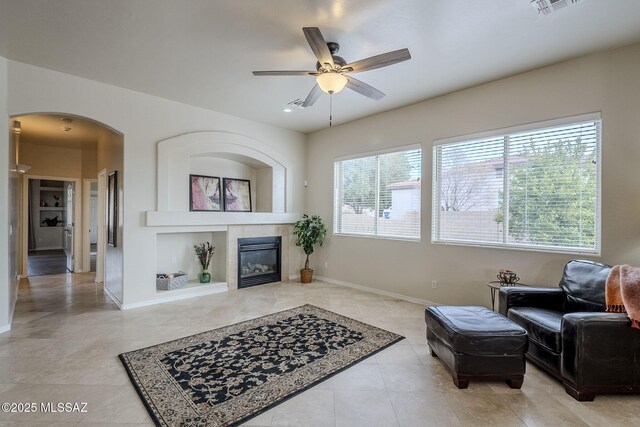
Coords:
570,335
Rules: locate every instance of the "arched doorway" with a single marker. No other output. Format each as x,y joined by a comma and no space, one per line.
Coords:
62,205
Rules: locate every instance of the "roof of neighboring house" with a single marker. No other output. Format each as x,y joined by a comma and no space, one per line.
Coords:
404,185
496,163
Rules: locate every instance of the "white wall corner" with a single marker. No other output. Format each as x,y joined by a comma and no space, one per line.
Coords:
7,256
112,297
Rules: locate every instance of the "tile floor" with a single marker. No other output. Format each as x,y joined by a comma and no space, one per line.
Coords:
47,262
66,336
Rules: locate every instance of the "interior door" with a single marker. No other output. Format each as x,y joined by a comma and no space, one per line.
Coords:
69,224
93,225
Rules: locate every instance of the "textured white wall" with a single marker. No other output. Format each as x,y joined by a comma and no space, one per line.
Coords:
606,82
6,302
10,199
143,120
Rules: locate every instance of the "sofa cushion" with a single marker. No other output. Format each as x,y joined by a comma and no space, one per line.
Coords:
543,326
583,283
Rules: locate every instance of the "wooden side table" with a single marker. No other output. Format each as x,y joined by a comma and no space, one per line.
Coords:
495,286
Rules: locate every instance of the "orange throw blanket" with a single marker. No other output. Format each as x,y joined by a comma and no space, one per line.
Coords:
623,292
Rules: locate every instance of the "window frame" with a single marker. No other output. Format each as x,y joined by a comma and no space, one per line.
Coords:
338,194
505,132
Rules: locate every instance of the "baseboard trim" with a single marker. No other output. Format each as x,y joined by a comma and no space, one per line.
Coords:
199,293
12,309
112,297
376,291
5,328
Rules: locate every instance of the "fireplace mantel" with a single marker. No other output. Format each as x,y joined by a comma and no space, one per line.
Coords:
191,219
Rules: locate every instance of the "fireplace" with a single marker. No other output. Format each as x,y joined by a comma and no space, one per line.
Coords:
258,261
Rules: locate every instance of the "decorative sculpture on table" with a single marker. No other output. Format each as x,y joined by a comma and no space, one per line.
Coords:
51,222
508,277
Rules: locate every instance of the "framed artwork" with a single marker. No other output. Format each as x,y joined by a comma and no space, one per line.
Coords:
237,195
112,209
204,193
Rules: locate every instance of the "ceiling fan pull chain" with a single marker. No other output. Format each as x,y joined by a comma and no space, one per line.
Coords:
330,108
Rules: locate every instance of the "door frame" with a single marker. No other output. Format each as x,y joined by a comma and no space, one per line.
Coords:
102,227
86,220
77,211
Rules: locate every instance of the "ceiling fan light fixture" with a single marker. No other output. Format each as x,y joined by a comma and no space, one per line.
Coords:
331,82
331,70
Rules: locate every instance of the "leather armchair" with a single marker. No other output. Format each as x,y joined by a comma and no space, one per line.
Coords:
570,335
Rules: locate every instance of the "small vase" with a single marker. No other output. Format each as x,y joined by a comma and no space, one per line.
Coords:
205,276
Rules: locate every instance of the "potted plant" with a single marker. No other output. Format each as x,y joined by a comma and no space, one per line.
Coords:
204,253
309,231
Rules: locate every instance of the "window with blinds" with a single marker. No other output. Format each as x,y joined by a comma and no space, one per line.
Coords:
379,195
534,187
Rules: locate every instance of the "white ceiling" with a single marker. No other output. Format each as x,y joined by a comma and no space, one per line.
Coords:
202,52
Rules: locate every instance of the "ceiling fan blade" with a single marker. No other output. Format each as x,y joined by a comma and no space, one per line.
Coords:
364,89
378,61
318,45
285,73
312,97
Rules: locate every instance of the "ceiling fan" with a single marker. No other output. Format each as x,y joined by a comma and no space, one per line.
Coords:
332,71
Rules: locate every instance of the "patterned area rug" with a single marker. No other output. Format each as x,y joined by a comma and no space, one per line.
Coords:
228,375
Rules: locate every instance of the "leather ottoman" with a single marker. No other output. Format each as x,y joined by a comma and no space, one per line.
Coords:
477,343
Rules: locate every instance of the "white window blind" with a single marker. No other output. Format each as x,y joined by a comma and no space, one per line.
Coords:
379,195
530,188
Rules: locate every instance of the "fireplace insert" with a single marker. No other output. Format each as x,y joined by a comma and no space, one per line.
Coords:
258,260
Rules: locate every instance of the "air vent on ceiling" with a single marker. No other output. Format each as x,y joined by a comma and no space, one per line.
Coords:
546,7
296,103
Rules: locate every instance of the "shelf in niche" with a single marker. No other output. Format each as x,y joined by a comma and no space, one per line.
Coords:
56,189
195,287
51,208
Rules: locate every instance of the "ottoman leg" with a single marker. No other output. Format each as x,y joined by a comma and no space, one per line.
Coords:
515,382
461,381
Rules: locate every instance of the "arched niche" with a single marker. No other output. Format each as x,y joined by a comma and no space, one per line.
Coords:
225,155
